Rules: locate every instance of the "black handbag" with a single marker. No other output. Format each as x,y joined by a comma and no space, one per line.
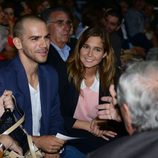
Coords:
7,120
10,125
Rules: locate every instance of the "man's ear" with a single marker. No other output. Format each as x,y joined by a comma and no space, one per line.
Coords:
17,43
125,108
127,118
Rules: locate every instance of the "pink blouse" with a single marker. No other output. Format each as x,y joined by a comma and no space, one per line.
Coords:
88,100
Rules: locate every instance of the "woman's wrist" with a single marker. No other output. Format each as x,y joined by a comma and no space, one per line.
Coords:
2,147
1,154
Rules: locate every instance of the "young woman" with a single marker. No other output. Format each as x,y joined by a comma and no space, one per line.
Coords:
91,71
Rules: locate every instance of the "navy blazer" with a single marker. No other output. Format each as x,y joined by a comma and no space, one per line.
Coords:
13,77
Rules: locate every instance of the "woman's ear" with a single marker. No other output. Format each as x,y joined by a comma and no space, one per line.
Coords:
17,43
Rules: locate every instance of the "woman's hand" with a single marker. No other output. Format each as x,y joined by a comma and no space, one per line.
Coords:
11,144
6,101
105,134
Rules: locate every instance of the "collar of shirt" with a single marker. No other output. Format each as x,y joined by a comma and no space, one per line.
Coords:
64,52
95,86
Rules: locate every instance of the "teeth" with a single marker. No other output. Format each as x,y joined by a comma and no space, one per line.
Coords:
89,60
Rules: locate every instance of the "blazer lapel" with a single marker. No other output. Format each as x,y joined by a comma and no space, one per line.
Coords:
23,90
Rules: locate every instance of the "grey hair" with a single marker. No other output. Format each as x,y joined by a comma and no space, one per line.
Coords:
138,88
46,15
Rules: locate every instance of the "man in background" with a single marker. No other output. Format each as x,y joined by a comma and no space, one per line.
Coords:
59,25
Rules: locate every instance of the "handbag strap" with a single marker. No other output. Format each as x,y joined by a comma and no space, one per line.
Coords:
17,124
13,154
31,146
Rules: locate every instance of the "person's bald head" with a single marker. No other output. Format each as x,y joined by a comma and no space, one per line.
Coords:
21,24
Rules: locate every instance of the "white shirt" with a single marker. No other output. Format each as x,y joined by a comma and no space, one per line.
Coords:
36,110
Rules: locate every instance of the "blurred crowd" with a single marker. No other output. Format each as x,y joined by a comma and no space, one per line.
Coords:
89,44
133,25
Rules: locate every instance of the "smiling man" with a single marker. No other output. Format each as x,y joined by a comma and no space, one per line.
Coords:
35,85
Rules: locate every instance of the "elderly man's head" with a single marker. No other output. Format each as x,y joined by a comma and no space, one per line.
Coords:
59,25
138,96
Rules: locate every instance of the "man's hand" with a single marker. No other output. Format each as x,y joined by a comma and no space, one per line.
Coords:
49,144
108,110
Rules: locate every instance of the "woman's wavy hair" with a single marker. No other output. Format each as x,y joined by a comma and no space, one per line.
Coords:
106,69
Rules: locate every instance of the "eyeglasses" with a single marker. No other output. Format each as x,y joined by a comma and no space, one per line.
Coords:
61,23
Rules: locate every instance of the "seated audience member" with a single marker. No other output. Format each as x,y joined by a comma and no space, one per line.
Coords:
9,17
25,8
138,101
3,31
134,18
6,44
91,71
135,22
7,142
35,87
112,20
59,22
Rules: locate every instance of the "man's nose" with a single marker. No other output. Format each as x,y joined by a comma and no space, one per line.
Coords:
43,43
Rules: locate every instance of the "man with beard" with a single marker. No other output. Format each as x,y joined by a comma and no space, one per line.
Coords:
35,86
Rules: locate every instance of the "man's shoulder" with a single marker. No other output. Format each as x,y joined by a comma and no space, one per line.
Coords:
47,69
128,146
53,54
72,42
6,66
4,63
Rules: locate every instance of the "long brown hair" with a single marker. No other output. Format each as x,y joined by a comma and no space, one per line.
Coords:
76,69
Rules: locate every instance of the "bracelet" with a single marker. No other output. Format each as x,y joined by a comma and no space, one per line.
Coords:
2,146
1,154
